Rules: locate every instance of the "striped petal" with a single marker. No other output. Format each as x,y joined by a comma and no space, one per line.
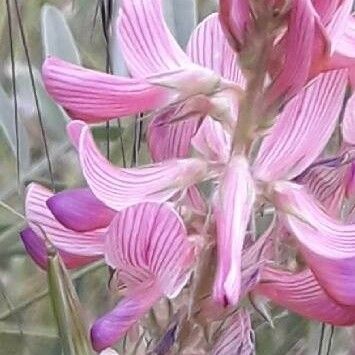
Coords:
327,244
120,188
42,221
80,210
348,128
232,208
237,337
94,97
209,48
301,293
290,147
37,250
147,244
147,44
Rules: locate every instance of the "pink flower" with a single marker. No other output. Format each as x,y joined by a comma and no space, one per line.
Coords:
147,246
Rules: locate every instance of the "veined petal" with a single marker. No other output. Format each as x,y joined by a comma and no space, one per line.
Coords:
290,147
169,140
80,210
148,245
232,207
212,141
119,188
42,221
147,44
348,128
328,184
235,17
301,293
93,96
149,240
36,248
237,337
108,329
327,244
208,47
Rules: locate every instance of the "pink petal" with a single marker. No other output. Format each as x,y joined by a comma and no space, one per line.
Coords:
290,147
36,248
348,128
212,141
209,48
328,185
326,9
235,17
327,244
301,293
93,96
148,240
232,209
119,188
42,221
168,140
304,42
237,336
108,329
80,210
147,44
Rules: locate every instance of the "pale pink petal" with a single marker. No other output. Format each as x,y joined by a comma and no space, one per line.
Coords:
327,244
212,141
303,43
119,187
348,128
237,336
80,210
45,225
36,248
328,184
208,47
147,44
232,208
291,145
94,96
168,140
235,17
108,329
301,293
148,240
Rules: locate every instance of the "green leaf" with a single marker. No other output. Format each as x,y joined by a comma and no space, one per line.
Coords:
67,309
57,38
7,123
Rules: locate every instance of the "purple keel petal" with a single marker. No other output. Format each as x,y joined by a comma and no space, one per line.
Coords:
302,293
80,210
119,188
41,220
36,248
93,96
147,44
290,147
233,206
108,329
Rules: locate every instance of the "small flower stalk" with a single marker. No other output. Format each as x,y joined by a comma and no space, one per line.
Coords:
236,126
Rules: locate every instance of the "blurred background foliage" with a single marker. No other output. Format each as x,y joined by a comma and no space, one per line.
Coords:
70,29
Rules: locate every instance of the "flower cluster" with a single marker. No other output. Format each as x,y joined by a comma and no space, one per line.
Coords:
249,110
